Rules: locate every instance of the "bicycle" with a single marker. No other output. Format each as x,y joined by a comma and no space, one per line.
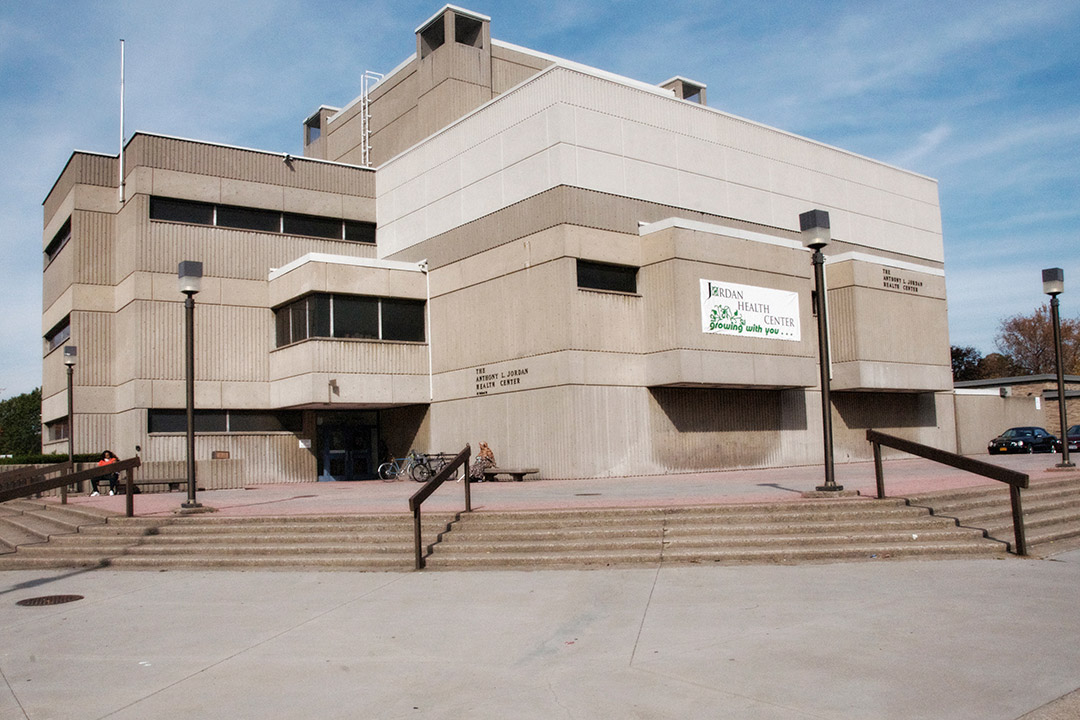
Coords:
428,465
400,468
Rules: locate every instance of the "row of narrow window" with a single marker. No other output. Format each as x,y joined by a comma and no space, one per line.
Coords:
225,421
324,315
270,221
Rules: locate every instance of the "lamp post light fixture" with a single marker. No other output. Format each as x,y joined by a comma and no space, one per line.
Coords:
190,275
1053,285
816,234
70,353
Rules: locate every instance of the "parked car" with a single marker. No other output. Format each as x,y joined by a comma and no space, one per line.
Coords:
1073,436
1023,440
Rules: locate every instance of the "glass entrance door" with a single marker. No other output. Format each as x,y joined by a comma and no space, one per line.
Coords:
347,446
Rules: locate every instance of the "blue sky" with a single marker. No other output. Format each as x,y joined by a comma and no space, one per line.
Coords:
983,96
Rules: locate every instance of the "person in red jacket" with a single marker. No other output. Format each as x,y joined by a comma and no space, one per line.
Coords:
107,458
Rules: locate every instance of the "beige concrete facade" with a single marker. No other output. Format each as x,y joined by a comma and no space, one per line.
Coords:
495,176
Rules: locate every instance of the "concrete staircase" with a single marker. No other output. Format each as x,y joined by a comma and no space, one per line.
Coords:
26,523
1051,511
970,522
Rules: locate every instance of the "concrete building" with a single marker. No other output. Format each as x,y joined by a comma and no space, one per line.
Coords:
595,275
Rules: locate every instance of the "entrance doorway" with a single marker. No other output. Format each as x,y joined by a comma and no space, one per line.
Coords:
348,445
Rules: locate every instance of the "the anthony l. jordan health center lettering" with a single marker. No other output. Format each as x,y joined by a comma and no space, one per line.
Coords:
732,309
891,280
498,380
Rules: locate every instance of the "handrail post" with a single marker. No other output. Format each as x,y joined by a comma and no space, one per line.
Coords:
1018,520
416,537
468,480
879,471
129,501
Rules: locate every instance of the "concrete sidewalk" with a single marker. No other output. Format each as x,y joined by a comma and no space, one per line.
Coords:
902,477
958,639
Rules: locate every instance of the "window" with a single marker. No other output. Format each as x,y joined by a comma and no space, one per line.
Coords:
249,218
312,225
355,317
57,430
360,231
58,242
225,421
604,276
402,320
187,211
60,332
260,220
349,316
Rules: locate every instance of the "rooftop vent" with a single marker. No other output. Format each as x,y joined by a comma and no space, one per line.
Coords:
685,89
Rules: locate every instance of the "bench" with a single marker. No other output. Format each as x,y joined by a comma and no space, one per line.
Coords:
517,474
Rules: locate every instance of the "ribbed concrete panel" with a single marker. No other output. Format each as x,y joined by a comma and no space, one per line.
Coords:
843,339
92,433
93,249
240,164
82,168
566,432
161,340
919,417
348,356
253,459
96,347
167,244
715,429
230,342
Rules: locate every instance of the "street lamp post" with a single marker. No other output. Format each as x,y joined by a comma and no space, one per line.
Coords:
70,353
816,234
1053,285
190,274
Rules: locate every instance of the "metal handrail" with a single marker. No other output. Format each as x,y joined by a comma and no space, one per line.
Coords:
1015,480
20,483
418,498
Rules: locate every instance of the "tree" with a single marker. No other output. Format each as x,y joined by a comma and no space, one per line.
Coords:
996,365
20,424
965,363
1028,340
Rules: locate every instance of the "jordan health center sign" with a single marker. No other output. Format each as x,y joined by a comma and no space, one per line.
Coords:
732,309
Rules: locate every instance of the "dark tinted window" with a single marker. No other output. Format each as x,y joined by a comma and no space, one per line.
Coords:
64,234
356,317
298,311
281,326
60,332
402,320
603,276
181,211
360,231
310,225
255,421
249,218
175,421
319,315
166,421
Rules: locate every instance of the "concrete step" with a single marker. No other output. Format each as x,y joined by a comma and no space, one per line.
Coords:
749,554
705,540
